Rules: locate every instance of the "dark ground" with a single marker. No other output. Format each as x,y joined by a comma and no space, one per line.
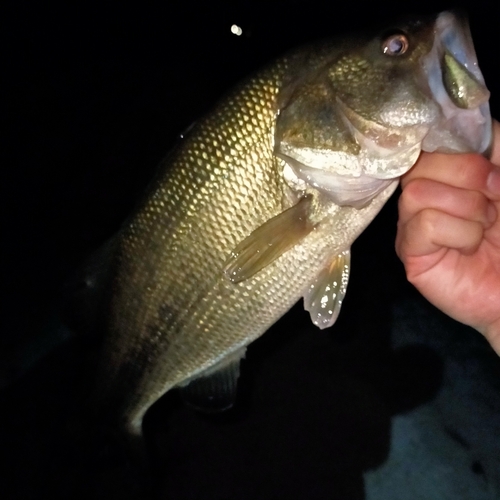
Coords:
395,401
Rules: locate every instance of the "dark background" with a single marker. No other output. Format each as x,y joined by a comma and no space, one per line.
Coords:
95,94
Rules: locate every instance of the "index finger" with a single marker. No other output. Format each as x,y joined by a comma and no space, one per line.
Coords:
466,171
495,154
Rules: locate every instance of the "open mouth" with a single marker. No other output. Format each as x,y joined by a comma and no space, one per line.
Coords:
458,87
455,119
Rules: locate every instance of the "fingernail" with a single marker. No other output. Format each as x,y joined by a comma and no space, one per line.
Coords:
493,181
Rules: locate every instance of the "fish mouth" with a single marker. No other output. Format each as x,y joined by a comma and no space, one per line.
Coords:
452,117
457,85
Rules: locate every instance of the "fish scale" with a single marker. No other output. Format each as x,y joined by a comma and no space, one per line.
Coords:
256,207
198,247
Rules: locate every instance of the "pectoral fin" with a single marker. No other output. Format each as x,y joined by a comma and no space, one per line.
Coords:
269,241
324,297
215,389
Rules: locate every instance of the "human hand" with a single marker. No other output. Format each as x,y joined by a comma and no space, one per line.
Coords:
449,235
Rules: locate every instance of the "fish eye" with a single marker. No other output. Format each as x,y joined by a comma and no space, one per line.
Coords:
395,45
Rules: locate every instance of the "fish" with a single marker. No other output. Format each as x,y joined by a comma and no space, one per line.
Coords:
259,204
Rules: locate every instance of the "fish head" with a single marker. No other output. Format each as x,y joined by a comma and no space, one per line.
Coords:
359,116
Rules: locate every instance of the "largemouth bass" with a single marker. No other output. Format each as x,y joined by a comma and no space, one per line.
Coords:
260,203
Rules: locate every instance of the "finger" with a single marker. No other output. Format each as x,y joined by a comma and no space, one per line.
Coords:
431,230
492,334
419,194
466,171
495,155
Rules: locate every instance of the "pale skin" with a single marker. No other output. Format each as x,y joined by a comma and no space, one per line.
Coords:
449,235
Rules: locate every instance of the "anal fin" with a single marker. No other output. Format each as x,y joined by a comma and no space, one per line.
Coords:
324,297
215,389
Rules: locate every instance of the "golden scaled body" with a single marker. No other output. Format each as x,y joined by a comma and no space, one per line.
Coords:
261,202
175,313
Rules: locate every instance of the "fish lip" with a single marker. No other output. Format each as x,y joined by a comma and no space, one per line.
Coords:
458,130
452,28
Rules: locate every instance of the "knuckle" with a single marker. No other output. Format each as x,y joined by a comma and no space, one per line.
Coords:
471,170
478,204
426,221
410,194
